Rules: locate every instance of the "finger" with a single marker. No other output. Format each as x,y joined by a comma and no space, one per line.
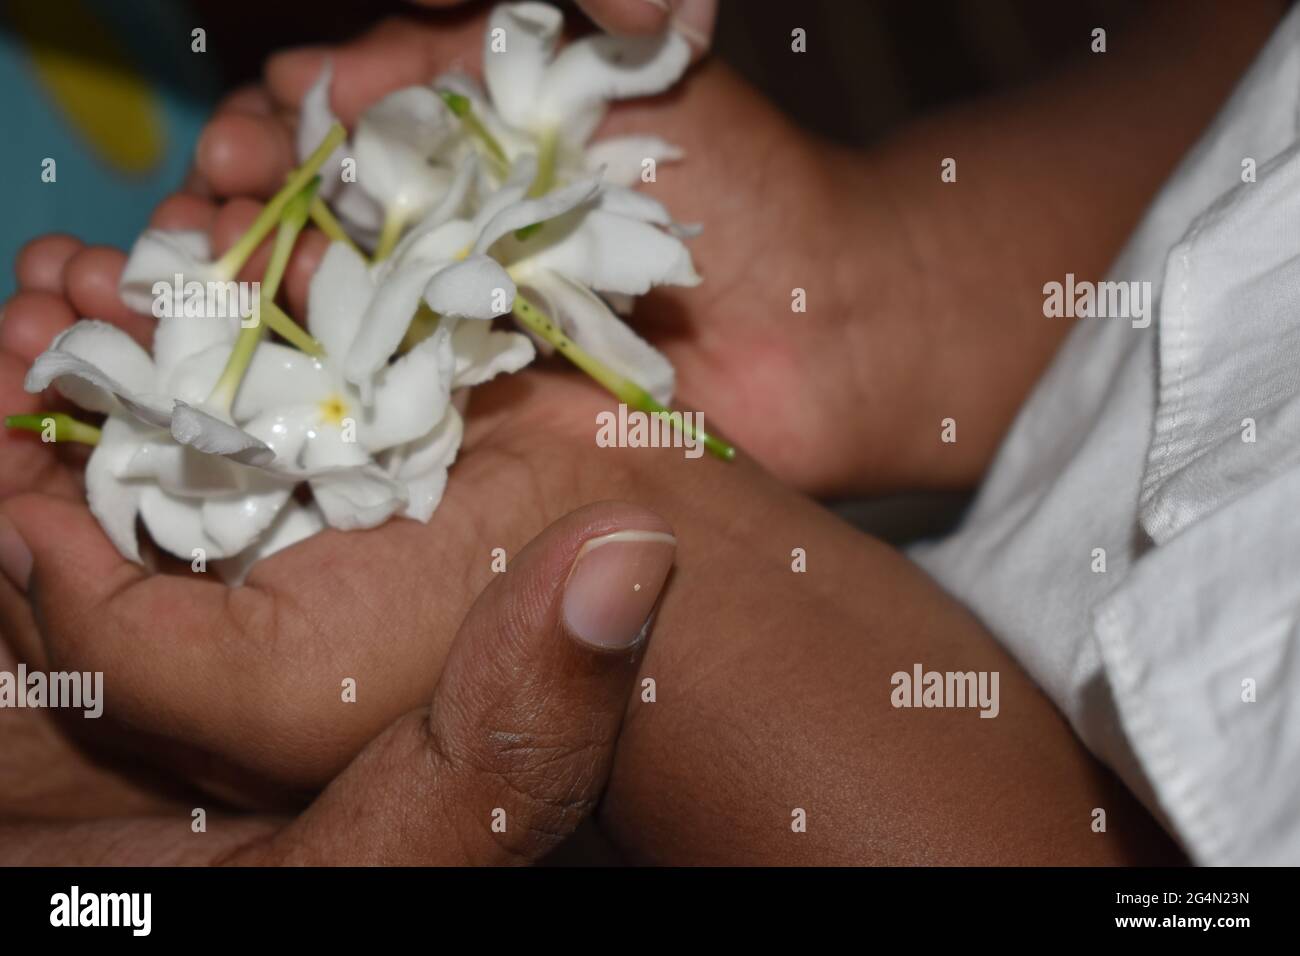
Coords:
245,154
169,646
91,280
250,100
516,748
628,17
694,20
26,462
181,211
394,54
31,321
40,263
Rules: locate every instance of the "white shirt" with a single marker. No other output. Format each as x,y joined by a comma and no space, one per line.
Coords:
1179,664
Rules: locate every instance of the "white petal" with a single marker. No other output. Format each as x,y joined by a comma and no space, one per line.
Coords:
184,471
159,255
178,338
337,297
422,466
359,212
294,523
114,502
628,202
394,141
448,208
385,323
473,288
522,173
279,376
529,211
236,521
622,157
590,323
613,253
439,245
286,430
514,75
101,368
204,431
315,120
412,394
482,353
176,524
596,69
352,498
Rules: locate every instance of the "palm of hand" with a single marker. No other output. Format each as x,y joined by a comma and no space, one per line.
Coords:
258,674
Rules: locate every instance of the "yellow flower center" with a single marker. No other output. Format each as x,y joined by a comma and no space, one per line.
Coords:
333,410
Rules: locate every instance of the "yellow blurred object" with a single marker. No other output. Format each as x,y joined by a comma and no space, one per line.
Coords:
90,77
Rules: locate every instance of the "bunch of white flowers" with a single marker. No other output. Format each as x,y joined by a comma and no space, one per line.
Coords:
451,206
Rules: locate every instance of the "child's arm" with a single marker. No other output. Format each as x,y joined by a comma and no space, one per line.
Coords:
1050,179
773,694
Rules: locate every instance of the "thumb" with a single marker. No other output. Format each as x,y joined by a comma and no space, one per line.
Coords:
516,748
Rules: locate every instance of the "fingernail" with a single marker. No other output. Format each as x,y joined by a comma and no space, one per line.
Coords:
613,587
15,556
694,20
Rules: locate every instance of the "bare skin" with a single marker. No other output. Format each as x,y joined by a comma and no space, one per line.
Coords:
772,695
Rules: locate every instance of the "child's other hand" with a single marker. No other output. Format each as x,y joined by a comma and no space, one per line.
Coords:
781,212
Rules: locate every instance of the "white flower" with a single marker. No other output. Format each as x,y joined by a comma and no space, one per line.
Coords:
330,421
566,95
612,244
159,255
405,150
187,499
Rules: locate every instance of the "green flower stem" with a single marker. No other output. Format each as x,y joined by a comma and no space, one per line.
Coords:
279,322
548,149
389,233
423,324
66,428
292,221
230,263
464,111
293,217
624,389
326,222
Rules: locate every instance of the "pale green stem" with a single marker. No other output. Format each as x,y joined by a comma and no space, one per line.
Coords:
293,218
622,388
279,322
423,324
66,428
389,233
325,221
464,110
548,149
235,257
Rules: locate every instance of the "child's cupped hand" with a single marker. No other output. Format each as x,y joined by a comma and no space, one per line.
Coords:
783,214
247,680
